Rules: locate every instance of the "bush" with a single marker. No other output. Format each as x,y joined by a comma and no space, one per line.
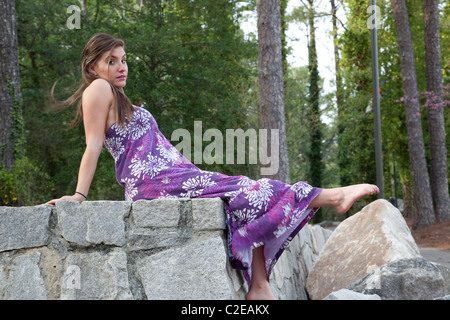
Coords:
24,184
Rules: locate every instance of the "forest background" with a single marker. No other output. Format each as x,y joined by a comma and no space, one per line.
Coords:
193,61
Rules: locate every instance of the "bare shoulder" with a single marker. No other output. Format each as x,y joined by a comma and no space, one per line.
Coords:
100,84
99,89
96,103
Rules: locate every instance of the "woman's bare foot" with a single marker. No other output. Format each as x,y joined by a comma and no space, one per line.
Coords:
341,199
260,292
259,288
348,195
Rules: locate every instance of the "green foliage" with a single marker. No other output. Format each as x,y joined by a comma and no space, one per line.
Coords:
296,107
7,195
24,184
356,143
315,124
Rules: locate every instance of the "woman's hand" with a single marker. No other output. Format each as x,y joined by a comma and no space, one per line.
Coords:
75,197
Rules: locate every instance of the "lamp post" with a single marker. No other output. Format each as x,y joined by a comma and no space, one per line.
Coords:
376,99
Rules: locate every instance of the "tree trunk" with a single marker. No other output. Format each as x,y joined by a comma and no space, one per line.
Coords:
9,81
436,126
336,55
420,179
284,50
271,84
408,202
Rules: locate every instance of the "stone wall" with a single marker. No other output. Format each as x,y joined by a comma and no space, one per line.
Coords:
159,249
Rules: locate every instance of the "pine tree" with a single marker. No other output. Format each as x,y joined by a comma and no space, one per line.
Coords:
271,81
424,215
436,124
10,97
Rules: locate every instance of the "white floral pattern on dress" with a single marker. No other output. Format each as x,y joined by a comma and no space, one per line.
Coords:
130,189
288,220
169,153
244,216
150,167
138,126
301,189
245,181
259,195
195,186
116,146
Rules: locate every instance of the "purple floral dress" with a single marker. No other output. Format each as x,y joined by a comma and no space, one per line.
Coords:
263,212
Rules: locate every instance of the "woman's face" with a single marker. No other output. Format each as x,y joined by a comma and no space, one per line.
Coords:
112,68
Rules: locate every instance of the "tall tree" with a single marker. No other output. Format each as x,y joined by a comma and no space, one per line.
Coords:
10,107
343,158
336,54
421,184
315,147
271,83
284,46
436,125
395,141
355,121
315,151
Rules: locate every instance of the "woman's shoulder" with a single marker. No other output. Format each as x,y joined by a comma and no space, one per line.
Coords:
99,84
98,96
99,87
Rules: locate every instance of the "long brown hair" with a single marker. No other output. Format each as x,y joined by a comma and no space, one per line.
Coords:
92,52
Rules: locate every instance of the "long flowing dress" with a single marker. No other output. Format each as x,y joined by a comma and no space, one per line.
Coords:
263,212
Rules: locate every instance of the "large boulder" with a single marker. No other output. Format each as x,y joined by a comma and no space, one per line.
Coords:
375,236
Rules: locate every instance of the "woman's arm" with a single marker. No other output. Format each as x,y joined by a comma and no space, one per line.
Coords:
96,101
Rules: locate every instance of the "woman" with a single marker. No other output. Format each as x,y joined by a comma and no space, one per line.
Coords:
262,216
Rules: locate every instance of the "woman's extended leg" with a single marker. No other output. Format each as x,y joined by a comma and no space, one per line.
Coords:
340,199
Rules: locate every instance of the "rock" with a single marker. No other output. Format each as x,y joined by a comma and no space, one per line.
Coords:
24,227
177,270
22,280
160,223
93,222
405,279
96,276
208,214
345,294
375,236
288,277
445,271
159,213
